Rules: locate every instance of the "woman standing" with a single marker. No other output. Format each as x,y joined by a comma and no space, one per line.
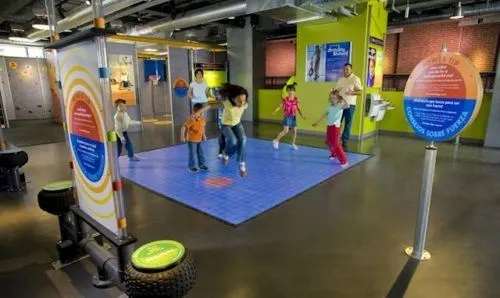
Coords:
198,89
234,102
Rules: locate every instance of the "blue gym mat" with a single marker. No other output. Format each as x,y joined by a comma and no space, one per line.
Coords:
274,176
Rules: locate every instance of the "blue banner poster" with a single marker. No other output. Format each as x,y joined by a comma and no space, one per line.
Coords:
315,63
337,55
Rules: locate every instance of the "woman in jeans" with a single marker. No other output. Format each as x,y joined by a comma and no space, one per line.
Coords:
234,102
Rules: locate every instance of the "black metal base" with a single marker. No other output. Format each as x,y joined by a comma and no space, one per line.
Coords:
68,251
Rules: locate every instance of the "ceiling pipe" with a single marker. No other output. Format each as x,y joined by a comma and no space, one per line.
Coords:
474,10
131,10
393,7
431,4
196,17
83,16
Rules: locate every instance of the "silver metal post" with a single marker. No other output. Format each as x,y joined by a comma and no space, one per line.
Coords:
457,140
51,17
418,250
102,62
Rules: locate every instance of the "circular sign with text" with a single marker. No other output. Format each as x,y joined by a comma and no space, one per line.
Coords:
442,96
86,138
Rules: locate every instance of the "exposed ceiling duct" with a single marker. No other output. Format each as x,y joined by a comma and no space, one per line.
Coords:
469,11
193,18
83,16
12,7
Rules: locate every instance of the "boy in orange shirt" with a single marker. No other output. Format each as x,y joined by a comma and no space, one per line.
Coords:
193,131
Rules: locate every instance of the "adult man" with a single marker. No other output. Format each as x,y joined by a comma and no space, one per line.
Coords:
349,87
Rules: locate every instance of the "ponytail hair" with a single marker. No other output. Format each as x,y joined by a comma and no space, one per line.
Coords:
230,92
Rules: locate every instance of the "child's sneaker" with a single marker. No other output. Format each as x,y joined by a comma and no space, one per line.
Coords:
343,166
332,157
203,168
294,147
193,170
220,156
276,144
243,170
225,159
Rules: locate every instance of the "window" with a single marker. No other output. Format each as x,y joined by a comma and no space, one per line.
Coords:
35,52
12,50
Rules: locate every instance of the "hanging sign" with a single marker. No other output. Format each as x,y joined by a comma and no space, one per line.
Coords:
442,96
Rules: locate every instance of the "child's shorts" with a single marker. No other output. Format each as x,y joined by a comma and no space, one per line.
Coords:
290,121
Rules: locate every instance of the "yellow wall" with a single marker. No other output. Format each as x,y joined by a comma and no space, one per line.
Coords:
314,96
269,100
395,120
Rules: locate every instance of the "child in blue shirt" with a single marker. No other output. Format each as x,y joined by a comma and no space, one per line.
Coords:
334,115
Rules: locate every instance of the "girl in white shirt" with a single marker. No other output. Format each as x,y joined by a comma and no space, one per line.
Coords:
198,89
122,123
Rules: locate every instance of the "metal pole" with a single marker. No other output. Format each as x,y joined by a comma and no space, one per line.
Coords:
457,140
51,17
102,62
418,250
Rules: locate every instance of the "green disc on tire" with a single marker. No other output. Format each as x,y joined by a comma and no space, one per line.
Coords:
59,185
158,255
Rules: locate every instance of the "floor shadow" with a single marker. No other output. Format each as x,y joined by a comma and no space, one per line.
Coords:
404,278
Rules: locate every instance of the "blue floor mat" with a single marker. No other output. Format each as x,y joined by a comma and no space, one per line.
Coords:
274,176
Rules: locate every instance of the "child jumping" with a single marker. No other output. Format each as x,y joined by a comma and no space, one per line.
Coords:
193,131
290,106
122,123
234,102
334,114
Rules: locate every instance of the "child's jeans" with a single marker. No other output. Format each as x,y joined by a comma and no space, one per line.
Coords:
128,146
333,140
195,149
236,141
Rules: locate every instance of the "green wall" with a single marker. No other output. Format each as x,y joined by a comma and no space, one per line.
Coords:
395,120
314,96
269,99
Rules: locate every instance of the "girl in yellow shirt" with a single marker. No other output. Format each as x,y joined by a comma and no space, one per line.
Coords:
234,102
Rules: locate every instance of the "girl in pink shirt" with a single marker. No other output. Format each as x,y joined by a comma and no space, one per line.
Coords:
290,106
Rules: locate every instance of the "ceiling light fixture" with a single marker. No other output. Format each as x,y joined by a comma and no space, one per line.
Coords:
19,39
40,26
407,9
312,18
457,12
150,50
88,2
231,18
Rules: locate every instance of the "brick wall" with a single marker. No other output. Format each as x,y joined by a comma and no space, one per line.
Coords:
390,54
479,43
280,58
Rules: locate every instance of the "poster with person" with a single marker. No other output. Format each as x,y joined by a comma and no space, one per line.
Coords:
324,62
315,63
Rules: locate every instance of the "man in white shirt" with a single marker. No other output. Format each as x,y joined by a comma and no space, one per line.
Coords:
349,87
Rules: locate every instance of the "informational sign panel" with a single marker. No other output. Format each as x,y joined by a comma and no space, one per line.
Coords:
442,96
86,130
324,62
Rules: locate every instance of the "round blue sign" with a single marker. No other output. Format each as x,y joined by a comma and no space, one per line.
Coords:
442,96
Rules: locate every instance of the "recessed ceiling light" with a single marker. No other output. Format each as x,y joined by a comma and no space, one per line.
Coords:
150,50
88,2
231,18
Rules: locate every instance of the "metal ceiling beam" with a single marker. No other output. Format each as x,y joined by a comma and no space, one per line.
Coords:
472,10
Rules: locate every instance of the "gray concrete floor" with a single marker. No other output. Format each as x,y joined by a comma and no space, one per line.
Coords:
342,238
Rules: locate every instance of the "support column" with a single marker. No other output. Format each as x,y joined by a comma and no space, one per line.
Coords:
247,64
492,138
